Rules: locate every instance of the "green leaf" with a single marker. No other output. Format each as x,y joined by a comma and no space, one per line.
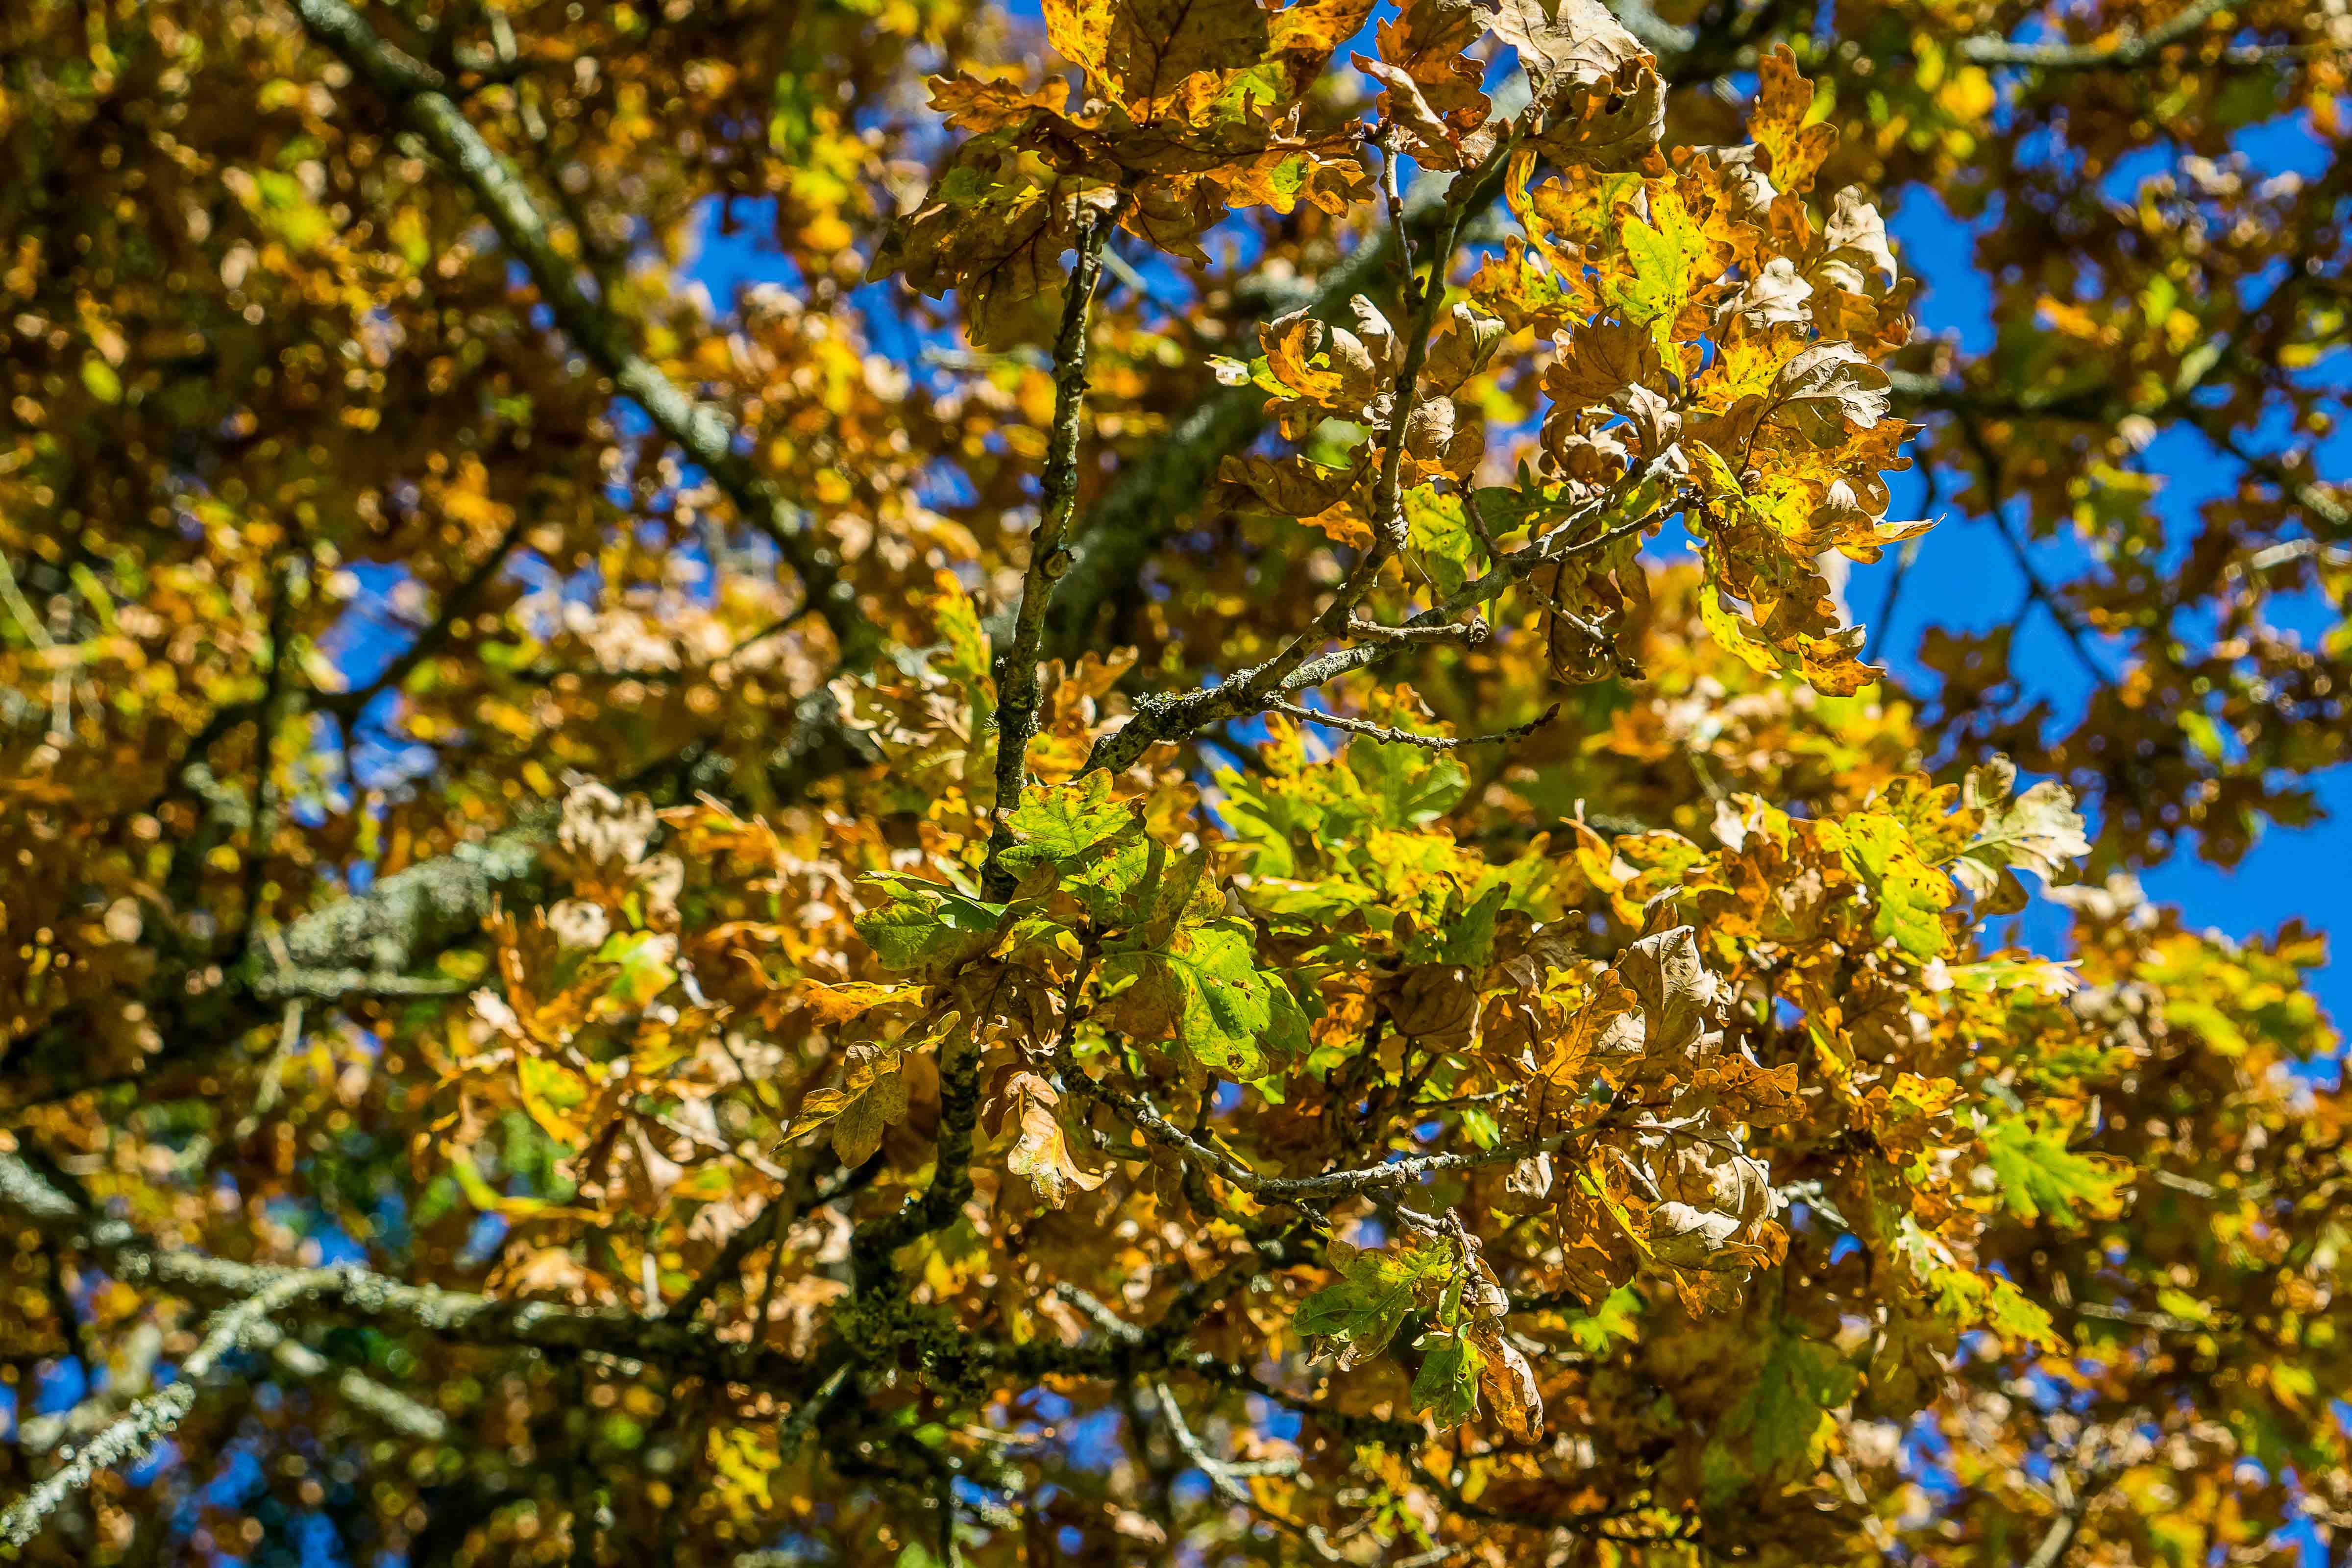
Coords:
1786,1414
1663,256
2018,1317
1469,940
645,971
1206,989
1176,895
98,379
2039,831
1910,896
1617,1318
1363,1311
1447,1383
1256,371
1970,1299
1059,823
1117,878
962,654
550,1092
2040,1176
926,924
872,1098
1528,505
288,211
1440,537
1124,877
1409,784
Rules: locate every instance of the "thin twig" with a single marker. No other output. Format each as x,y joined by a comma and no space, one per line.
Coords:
1876,639
1226,1476
2040,592
453,1315
1179,718
1407,738
389,1405
272,1086
1405,1171
347,706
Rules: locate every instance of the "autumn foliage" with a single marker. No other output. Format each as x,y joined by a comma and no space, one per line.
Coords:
867,782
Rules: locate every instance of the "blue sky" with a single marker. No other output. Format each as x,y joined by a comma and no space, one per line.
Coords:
2306,872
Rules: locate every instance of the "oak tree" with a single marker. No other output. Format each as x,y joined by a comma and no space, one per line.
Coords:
868,783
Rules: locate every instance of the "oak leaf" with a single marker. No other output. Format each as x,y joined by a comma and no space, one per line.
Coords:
871,1098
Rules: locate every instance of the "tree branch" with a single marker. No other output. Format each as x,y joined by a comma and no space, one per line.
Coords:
457,1316
1018,693
2041,593
875,1247
1226,1476
1144,504
389,1405
1406,737
1300,1191
347,706
2130,50
155,1418
1158,719
769,1222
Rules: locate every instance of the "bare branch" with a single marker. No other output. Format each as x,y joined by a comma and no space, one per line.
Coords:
1226,1476
346,706
770,1222
389,1405
2040,592
1179,718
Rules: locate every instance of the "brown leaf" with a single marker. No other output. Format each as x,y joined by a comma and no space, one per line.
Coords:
1745,1090
1856,243
1595,85
1562,43
994,229
1507,1382
1602,360
1293,486
1827,389
1773,297
1676,991
1041,1156
1139,53
1432,88
1783,102
1436,999
1462,348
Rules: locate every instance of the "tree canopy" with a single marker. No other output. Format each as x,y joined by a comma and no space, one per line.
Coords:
863,782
